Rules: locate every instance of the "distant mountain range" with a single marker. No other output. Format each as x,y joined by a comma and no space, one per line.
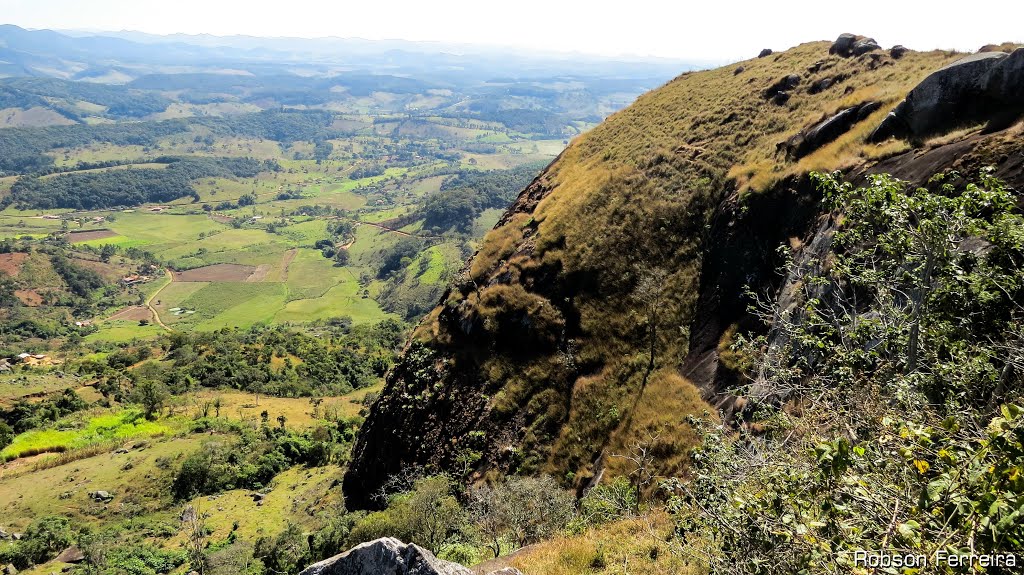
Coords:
119,57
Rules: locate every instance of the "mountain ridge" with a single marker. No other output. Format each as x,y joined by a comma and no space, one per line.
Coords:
541,358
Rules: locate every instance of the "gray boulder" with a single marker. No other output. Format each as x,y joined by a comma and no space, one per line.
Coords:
898,51
101,496
71,555
980,87
861,47
765,52
843,44
386,556
827,130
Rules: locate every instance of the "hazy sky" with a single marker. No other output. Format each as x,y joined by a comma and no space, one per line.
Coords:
705,30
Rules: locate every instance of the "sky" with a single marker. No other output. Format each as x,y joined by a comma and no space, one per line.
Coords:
708,30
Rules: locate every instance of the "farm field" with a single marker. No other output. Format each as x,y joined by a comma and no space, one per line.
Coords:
263,262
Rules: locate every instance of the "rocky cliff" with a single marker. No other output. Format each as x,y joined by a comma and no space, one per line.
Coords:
599,311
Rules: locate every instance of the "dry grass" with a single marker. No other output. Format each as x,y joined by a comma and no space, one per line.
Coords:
298,412
631,546
656,423
636,194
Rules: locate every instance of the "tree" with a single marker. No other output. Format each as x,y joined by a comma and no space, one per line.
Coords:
107,251
523,510
650,292
151,394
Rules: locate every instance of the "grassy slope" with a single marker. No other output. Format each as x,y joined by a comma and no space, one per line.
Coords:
630,198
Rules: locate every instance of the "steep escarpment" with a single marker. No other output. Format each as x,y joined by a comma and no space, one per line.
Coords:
596,315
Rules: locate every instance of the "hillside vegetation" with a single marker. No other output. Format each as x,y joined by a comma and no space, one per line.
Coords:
579,304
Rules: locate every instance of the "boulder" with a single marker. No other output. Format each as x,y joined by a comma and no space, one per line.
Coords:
765,52
784,84
738,70
10,570
780,98
188,515
820,86
898,51
386,556
827,130
980,87
71,555
843,44
507,571
102,496
861,47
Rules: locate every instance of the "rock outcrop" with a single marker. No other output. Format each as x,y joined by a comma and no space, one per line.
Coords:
389,556
850,45
981,87
827,130
71,555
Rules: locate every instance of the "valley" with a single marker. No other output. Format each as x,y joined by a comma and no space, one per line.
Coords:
325,306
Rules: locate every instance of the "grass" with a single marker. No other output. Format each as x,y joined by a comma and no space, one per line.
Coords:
111,427
238,406
233,304
341,300
122,331
260,306
633,195
640,545
14,387
29,492
292,498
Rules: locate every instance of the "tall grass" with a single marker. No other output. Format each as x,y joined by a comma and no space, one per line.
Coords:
101,429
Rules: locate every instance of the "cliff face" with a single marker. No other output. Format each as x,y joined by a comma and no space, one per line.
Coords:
596,313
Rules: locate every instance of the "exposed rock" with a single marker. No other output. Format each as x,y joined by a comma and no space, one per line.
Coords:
258,497
10,570
738,70
815,66
898,51
843,44
820,85
784,84
864,46
780,98
71,555
983,86
102,496
188,515
827,130
386,556
765,52
507,571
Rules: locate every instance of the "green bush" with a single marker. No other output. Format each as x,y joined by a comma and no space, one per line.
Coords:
42,541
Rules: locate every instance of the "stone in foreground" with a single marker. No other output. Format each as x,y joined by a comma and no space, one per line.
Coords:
386,556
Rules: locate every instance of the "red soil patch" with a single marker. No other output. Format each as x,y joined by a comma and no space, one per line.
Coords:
286,262
29,297
260,274
108,271
134,313
10,264
87,235
216,273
